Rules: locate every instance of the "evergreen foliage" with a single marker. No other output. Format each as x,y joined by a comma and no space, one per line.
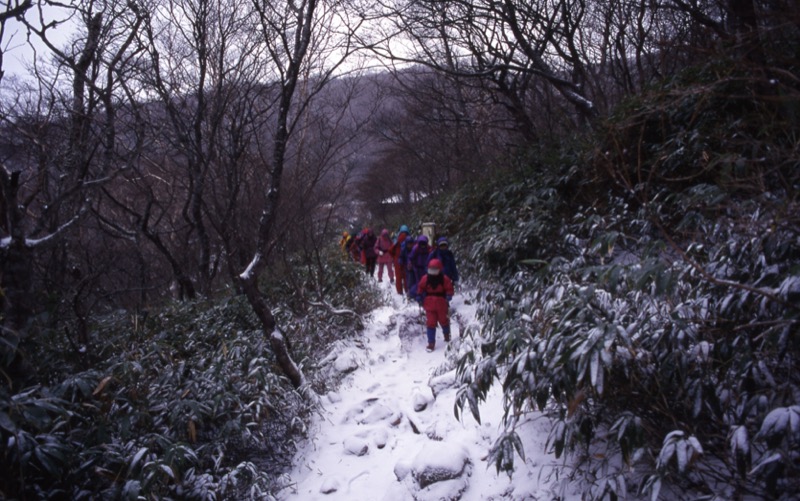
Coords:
644,293
640,286
185,402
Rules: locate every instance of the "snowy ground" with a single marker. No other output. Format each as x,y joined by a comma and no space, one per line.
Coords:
389,432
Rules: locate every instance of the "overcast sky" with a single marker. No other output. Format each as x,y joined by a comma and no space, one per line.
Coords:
17,51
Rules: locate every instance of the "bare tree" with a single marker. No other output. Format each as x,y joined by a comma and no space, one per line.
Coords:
206,68
12,10
171,121
571,59
438,130
494,39
331,137
63,138
302,38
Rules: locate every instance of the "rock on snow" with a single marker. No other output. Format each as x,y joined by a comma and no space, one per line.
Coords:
441,383
346,362
330,485
356,446
420,402
439,461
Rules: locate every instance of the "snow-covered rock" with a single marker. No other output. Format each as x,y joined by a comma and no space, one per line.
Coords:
380,437
439,461
402,469
437,430
377,414
448,490
441,383
346,362
356,411
330,485
356,446
420,402
334,397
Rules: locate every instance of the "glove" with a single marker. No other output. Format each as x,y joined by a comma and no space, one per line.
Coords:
449,298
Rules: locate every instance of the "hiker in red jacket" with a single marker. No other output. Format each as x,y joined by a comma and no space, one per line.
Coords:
434,291
383,247
399,264
355,247
369,256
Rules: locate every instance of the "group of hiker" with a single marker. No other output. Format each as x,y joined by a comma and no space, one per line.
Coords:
424,271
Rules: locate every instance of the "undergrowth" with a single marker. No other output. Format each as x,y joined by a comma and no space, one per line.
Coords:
184,401
644,293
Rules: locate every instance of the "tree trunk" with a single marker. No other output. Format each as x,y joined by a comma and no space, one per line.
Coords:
16,258
249,278
277,342
15,281
743,19
16,286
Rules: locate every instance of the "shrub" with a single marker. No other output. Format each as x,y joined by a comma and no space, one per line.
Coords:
184,402
656,325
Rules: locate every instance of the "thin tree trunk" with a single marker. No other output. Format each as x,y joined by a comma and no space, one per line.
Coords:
15,280
277,341
249,278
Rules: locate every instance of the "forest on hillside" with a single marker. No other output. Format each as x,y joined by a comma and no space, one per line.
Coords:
622,178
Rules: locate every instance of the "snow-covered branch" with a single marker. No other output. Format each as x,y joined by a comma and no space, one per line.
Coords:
248,272
36,242
333,311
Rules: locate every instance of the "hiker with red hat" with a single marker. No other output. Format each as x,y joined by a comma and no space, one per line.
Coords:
434,292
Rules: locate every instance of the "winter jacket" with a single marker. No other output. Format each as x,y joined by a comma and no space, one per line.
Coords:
405,250
344,241
448,261
354,247
383,247
435,291
395,250
368,245
418,261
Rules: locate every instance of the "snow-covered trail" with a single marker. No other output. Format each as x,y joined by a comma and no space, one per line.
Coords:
390,432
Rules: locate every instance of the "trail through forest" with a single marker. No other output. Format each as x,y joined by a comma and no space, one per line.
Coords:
390,433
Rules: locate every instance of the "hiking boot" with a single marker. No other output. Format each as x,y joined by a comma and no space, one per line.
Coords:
429,348
446,337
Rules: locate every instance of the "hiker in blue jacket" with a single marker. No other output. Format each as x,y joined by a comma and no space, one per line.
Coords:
443,253
400,250
417,264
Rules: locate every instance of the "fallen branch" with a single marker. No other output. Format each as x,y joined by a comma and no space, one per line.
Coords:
333,311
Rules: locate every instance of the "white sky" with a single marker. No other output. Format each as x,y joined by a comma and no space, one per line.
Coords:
18,52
